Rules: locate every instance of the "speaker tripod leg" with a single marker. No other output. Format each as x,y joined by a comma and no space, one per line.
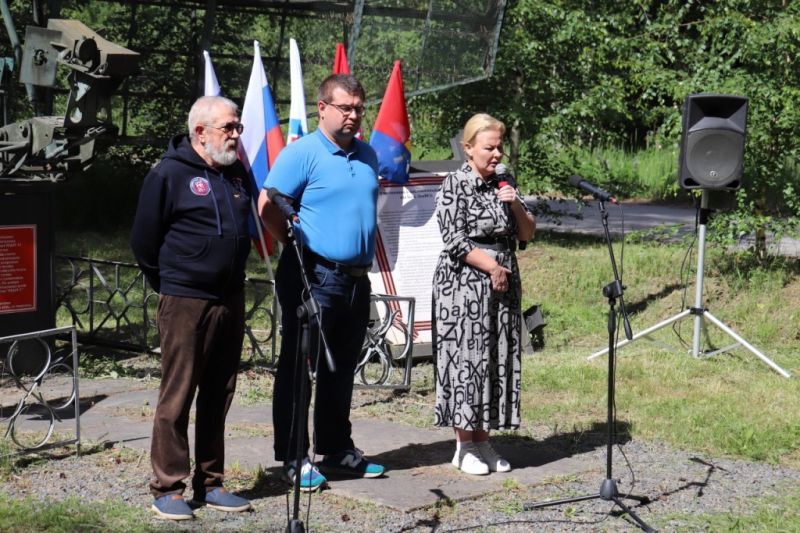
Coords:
738,338
646,332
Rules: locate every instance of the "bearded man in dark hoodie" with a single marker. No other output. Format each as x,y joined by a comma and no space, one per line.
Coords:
190,238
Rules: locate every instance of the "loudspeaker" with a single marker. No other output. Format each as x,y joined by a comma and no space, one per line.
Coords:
712,144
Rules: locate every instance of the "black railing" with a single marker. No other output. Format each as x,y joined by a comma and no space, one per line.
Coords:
111,304
39,389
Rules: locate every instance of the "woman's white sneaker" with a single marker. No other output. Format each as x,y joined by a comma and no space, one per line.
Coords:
491,457
468,459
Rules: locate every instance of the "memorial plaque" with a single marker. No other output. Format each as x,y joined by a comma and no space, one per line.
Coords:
17,269
27,286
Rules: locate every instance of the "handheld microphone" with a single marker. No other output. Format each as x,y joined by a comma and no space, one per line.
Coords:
279,199
504,177
597,192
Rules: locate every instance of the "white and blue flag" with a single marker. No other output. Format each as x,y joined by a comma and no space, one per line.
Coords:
298,125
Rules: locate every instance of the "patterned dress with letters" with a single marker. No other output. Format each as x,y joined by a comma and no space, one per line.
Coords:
476,337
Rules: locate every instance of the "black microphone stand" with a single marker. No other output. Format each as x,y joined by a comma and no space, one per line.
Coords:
608,489
306,311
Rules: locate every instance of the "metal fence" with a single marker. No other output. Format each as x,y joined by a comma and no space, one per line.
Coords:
109,303
39,389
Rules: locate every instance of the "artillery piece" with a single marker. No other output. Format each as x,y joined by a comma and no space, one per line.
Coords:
49,147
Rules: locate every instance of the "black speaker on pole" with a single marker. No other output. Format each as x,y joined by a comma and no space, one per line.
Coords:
712,144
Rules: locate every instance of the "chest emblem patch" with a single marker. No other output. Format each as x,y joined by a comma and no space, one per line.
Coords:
200,186
237,187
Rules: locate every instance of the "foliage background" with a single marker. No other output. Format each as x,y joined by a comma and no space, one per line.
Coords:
595,88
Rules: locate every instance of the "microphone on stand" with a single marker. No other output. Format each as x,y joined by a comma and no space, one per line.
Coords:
279,199
597,192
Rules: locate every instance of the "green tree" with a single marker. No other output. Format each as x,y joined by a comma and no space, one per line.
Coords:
574,76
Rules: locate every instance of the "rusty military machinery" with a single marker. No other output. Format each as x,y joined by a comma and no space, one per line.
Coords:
49,147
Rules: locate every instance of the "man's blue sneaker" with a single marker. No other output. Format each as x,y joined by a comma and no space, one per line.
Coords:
172,507
350,463
222,500
310,478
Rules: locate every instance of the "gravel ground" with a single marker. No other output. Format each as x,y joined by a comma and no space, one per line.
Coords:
677,483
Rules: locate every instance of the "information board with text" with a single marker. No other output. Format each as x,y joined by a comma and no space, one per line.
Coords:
408,245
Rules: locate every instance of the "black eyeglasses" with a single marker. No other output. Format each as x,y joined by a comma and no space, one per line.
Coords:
347,109
229,128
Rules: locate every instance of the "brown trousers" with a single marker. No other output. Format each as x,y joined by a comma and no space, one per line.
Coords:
201,345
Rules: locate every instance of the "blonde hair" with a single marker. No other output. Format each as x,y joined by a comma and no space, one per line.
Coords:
478,123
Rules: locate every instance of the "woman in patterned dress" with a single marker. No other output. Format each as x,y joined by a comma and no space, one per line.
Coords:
476,300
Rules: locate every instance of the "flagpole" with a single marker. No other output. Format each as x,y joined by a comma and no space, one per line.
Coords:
276,308
262,240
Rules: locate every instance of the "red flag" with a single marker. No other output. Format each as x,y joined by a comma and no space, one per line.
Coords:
340,65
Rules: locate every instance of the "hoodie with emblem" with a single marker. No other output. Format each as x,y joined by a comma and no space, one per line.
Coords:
190,234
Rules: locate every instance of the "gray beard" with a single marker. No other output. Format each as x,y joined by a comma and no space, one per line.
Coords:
222,157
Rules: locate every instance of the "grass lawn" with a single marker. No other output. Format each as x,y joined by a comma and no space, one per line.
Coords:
727,404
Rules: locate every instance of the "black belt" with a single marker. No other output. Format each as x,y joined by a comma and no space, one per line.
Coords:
499,244
350,270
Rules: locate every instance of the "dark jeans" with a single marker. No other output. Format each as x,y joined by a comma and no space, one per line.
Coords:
201,344
344,303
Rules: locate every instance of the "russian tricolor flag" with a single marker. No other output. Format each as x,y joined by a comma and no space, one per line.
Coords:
262,138
391,134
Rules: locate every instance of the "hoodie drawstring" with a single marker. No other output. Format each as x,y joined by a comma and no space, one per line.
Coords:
230,208
216,204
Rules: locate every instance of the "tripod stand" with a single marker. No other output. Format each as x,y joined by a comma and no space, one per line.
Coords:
608,489
698,311
306,312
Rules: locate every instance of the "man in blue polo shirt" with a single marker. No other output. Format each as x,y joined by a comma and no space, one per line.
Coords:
331,180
